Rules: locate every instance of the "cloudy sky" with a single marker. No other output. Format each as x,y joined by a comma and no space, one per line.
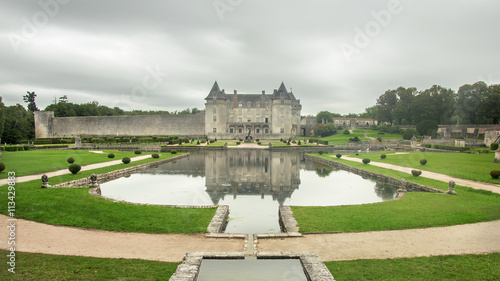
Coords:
165,55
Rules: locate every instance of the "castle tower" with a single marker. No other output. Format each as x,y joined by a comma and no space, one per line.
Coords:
216,112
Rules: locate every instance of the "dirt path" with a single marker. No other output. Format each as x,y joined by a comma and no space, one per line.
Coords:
432,175
66,171
60,240
451,240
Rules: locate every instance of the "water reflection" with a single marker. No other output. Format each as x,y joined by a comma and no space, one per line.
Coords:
252,182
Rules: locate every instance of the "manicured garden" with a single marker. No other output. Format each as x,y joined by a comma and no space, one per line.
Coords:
458,267
76,207
32,266
415,210
41,161
461,165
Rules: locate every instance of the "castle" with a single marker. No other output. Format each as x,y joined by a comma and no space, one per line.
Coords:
263,116
226,116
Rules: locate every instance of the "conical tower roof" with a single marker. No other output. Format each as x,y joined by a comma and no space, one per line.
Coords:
216,92
282,92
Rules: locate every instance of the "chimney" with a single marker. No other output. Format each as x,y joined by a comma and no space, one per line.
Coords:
263,92
275,91
235,92
223,91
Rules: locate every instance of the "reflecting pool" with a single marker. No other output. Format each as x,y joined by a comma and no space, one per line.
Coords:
252,182
251,269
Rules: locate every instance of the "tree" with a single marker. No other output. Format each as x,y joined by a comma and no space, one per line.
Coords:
427,127
2,117
469,99
443,101
30,100
370,112
324,117
19,124
489,109
63,99
324,130
404,108
386,103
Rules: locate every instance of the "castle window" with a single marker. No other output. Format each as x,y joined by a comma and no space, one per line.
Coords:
239,120
249,104
231,119
258,120
258,104
215,118
257,131
258,111
282,119
240,104
215,110
266,131
215,130
214,101
249,111
282,130
231,130
240,111
240,130
282,102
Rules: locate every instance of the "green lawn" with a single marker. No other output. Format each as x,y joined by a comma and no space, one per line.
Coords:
458,267
461,165
415,210
76,207
31,266
41,161
340,138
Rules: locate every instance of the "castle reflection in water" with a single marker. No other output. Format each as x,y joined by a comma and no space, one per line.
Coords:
252,172
255,172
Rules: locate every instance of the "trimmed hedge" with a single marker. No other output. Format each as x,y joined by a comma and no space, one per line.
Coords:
74,168
338,155
423,161
137,151
416,173
494,146
111,155
450,147
126,160
382,156
2,166
70,160
495,174
155,155
366,161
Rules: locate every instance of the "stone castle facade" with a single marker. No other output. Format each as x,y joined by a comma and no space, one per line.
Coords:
226,116
262,116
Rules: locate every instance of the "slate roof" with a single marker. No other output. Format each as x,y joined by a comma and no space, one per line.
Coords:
216,92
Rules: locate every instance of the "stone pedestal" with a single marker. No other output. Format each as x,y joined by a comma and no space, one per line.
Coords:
451,188
413,142
78,141
497,156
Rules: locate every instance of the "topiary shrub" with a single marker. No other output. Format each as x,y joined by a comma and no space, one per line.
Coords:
423,162
126,160
238,143
111,155
173,151
74,168
416,173
495,174
366,161
155,155
2,166
137,151
493,146
382,156
320,152
70,160
379,139
338,155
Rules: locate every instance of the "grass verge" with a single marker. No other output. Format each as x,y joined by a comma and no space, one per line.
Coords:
41,161
458,267
32,266
77,208
461,165
415,210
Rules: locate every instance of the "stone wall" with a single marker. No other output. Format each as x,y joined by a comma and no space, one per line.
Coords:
101,178
48,126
